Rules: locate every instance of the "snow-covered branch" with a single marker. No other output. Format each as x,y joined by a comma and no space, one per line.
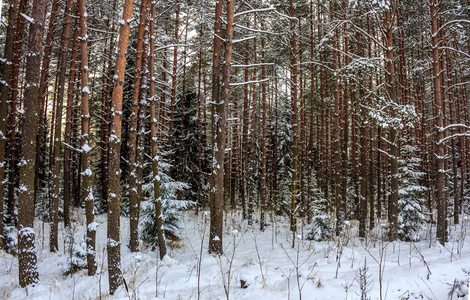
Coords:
256,30
243,39
454,126
465,134
248,82
173,45
252,11
253,65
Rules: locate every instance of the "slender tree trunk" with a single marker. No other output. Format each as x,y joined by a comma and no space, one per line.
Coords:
372,203
12,122
220,132
340,204
235,157
76,161
364,193
134,197
105,113
199,198
114,244
393,138
43,86
439,124
68,128
295,156
54,240
246,152
85,148
311,166
4,94
214,202
173,79
263,137
252,163
27,259
154,139
345,121
303,132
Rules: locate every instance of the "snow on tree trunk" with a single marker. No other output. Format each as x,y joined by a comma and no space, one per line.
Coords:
27,259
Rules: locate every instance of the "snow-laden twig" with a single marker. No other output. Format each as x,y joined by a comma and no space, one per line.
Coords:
249,82
173,45
256,10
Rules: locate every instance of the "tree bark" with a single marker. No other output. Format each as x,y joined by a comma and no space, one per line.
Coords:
54,240
154,139
27,259
439,124
85,148
263,139
68,127
173,80
43,86
393,134
12,122
220,132
4,94
134,197
114,244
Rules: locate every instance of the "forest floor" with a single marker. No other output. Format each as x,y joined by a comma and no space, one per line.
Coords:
271,268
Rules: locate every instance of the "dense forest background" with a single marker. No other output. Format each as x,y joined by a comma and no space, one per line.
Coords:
321,111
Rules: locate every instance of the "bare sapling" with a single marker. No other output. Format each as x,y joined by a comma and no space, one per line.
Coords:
298,264
363,279
288,276
380,260
202,232
260,262
423,260
227,275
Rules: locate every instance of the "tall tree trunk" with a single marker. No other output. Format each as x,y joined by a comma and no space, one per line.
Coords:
114,244
154,138
85,148
295,156
134,197
235,158
105,113
4,94
252,163
173,79
303,131
263,138
371,174
245,129
54,240
68,127
310,152
27,259
393,138
345,119
199,199
43,86
220,132
12,122
76,160
439,124
364,193
340,204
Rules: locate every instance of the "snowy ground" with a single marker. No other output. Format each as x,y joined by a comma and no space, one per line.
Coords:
265,260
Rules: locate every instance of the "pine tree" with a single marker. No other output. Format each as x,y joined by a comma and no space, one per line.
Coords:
411,217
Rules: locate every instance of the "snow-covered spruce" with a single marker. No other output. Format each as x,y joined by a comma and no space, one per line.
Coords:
171,207
411,195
